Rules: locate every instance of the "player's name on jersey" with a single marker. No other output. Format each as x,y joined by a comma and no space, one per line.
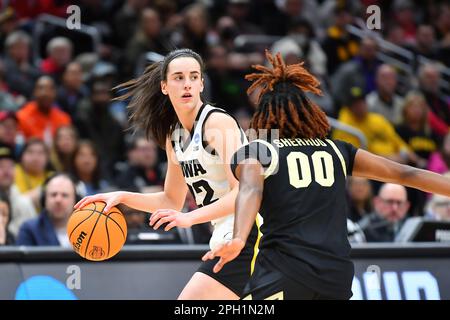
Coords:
296,142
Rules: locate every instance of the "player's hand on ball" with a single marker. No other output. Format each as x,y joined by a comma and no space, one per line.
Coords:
173,218
227,252
110,198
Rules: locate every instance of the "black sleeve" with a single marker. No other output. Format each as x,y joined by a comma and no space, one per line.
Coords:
348,152
254,150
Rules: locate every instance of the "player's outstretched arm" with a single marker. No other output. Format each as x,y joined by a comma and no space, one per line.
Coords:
173,196
374,167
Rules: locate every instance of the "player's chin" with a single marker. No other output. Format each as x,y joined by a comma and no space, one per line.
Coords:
188,103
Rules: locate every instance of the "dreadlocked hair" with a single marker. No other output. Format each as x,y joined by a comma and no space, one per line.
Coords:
282,103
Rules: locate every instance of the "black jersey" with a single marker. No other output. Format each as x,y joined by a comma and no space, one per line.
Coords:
304,208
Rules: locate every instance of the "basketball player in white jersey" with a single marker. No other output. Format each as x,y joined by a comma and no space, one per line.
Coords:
199,141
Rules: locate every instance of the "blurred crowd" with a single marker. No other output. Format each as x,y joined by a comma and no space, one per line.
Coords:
57,113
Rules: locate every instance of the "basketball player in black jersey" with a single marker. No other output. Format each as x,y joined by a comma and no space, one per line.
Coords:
297,183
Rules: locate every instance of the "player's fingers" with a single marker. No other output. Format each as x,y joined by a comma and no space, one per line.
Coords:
79,203
208,256
160,211
156,216
218,250
160,222
108,207
171,225
219,265
83,202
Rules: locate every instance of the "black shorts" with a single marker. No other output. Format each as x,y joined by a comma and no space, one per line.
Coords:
235,274
268,283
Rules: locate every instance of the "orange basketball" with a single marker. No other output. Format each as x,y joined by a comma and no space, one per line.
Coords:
97,235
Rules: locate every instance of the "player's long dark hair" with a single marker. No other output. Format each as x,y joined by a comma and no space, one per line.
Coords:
282,103
151,110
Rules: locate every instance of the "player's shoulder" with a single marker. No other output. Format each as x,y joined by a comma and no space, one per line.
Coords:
339,143
219,120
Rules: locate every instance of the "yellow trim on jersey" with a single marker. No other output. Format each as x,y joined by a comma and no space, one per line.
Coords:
256,247
274,162
276,296
340,156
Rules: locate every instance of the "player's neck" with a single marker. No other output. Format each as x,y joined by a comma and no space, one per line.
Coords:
187,119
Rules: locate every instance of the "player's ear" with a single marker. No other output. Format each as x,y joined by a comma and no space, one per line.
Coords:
202,85
164,87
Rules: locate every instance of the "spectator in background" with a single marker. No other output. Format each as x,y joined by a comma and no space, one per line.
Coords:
415,131
169,13
414,128
442,23
144,172
149,36
391,206
305,10
95,122
21,207
86,169
226,31
292,53
8,24
63,149
442,29
238,11
384,99
41,118
338,44
439,115
404,16
425,44
302,33
360,71
224,90
49,228
59,54
8,130
20,74
438,208
381,136
193,31
360,198
439,161
72,89
7,100
396,35
28,10
32,169
6,237
126,19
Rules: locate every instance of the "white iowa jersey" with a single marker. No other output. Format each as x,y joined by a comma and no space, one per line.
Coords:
204,171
